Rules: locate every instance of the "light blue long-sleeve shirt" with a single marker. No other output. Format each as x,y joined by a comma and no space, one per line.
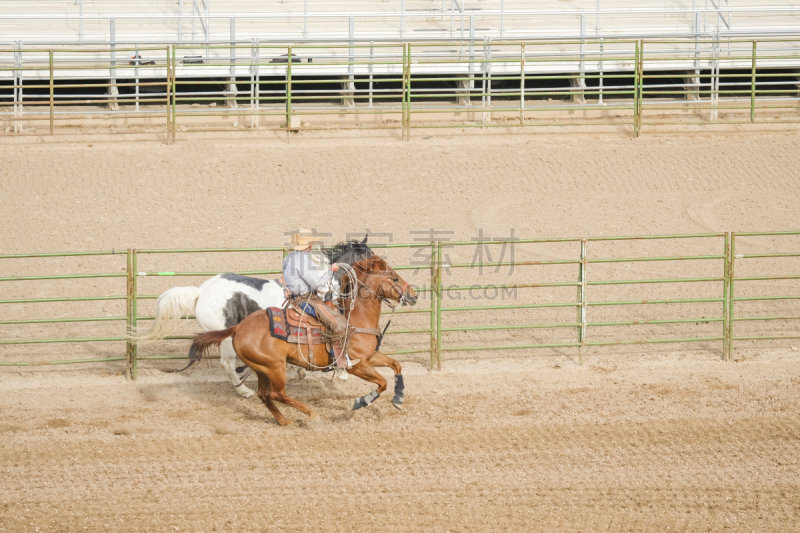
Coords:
301,274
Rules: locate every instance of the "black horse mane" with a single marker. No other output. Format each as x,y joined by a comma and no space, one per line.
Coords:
348,252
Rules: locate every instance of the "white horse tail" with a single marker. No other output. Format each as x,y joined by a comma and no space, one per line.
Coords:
171,306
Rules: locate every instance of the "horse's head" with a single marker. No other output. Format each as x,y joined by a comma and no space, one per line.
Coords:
378,280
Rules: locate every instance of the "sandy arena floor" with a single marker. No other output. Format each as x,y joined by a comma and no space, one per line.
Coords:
634,440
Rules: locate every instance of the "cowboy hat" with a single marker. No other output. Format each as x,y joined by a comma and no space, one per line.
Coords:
303,239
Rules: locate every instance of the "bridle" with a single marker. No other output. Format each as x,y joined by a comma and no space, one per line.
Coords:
401,292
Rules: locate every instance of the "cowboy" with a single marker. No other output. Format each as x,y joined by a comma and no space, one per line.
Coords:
306,274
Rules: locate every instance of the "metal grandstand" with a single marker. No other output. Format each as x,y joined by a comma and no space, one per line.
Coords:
45,22
95,52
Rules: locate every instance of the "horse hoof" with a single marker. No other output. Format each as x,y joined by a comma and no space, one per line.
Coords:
398,406
354,404
315,420
244,392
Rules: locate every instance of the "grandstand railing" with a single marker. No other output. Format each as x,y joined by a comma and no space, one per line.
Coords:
403,85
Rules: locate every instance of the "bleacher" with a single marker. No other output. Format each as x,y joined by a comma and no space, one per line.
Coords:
46,22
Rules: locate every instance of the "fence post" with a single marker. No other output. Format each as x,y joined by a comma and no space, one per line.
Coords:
255,87
731,277
406,107
408,92
168,88
502,19
637,91
582,301
726,297
522,85
51,92
432,293
289,93
130,345
753,86
438,305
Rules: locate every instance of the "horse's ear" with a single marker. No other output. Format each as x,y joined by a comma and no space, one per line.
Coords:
365,239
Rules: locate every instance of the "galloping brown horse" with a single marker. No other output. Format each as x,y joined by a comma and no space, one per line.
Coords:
375,281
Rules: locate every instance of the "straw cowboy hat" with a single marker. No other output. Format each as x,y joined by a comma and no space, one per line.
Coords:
303,239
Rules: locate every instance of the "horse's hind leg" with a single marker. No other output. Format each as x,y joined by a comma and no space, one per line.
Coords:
277,379
228,361
264,390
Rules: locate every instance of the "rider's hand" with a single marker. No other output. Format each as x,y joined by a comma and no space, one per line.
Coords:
334,267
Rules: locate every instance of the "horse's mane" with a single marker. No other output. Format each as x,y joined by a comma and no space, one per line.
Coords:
354,250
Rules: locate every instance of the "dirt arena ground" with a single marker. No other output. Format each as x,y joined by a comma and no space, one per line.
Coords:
633,440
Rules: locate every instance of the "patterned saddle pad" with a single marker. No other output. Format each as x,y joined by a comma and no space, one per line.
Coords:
291,326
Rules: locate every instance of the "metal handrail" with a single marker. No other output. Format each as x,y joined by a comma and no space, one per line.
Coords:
205,19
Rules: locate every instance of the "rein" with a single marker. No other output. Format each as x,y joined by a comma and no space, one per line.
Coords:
401,293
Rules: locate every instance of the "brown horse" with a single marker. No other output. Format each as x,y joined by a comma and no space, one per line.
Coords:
374,281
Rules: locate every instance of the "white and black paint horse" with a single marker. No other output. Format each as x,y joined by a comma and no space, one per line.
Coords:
226,299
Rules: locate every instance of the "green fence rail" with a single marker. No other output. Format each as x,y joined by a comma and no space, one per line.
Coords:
621,83
431,261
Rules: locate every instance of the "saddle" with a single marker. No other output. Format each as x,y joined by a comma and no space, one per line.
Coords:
290,325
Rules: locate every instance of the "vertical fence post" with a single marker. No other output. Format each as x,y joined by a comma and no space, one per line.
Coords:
403,99
170,95
600,79
438,305
289,93
305,19
136,77
402,19
582,302
112,90
52,101
522,85
582,62
731,277
502,19
129,313
167,89
487,82
406,107
17,87
133,365
371,69
753,86
432,294
714,81
174,91
637,91
255,86
726,296
408,93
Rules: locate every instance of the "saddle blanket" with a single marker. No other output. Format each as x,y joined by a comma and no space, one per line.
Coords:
290,329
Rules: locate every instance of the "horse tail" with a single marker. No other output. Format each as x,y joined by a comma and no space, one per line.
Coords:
202,343
171,306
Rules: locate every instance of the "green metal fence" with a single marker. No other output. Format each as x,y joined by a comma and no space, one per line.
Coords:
125,296
624,84
725,289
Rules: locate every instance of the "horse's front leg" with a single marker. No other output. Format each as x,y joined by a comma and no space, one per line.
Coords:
228,361
379,359
367,372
